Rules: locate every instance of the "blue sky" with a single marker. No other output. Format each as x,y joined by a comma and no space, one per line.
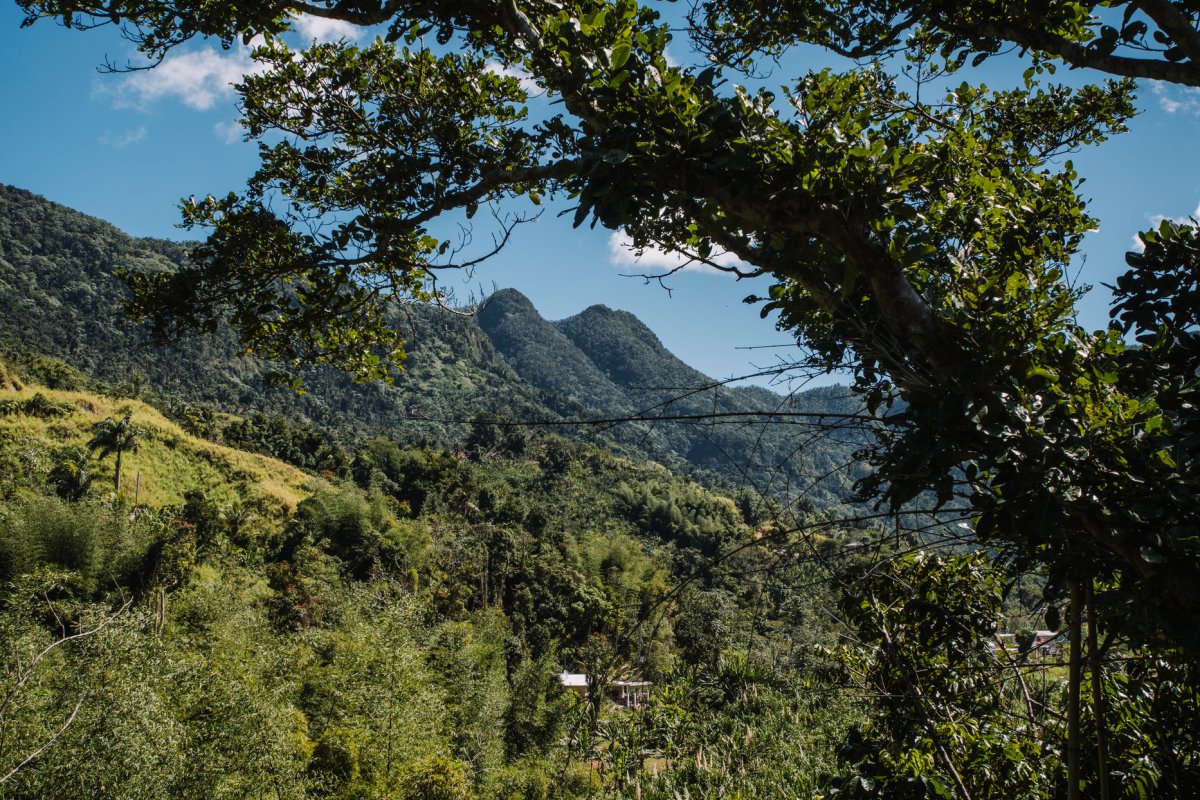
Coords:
126,147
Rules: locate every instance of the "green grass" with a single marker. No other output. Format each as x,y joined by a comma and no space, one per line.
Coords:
170,462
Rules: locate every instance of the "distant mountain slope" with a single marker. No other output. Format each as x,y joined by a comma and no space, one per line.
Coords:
58,298
539,352
611,358
779,454
629,353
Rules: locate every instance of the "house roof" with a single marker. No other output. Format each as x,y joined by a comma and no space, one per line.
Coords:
573,679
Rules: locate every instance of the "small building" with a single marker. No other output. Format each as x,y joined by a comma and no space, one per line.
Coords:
626,694
1003,641
1047,644
575,682
630,694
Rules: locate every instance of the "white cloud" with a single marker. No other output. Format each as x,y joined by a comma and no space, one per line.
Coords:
1157,219
229,132
622,254
198,79
527,82
324,30
120,141
1177,99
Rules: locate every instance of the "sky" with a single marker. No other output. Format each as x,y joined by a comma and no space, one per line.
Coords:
126,147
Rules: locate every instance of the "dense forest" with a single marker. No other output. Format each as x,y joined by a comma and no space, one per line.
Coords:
228,625
211,587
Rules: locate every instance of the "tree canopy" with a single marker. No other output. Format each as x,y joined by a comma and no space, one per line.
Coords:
1156,39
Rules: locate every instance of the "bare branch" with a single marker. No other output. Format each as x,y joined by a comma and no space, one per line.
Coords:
46,744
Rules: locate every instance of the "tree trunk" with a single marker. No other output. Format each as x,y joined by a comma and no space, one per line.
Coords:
117,474
1097,695
1073,679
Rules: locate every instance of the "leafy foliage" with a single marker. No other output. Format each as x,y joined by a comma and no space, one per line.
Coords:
920,242
399,639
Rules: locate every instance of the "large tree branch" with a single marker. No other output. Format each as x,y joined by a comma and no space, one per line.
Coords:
50,741
494,181
907,315
1179,26
355,14
1078,55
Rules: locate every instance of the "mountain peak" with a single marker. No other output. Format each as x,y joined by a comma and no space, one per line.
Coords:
509,299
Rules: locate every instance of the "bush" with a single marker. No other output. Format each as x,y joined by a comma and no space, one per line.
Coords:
55,374
71,475
436,779
39,406
579,780
335,756
360,531
522,782
96,544
49,532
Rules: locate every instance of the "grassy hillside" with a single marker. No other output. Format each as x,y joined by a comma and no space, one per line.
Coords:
36,423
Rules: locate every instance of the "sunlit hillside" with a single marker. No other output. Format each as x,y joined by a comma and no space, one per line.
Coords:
35,422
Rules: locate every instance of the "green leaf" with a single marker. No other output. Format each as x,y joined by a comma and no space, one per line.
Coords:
620,54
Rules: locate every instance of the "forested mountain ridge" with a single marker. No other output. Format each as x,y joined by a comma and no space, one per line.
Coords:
58,298
542,355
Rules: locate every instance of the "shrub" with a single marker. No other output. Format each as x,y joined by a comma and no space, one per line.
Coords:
522,782
335,756
71,475
55,374
436,779
579,780
39,406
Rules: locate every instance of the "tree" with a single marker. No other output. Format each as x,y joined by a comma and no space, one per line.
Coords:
71,475
115,436
1155,39
941,693
922,244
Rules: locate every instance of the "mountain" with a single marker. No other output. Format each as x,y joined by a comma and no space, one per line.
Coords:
749,431
58,298
612,362
60,321
541,354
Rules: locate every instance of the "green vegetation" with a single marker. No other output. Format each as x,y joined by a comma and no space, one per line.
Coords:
61,323
920,239
461,578
395,634
245,629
